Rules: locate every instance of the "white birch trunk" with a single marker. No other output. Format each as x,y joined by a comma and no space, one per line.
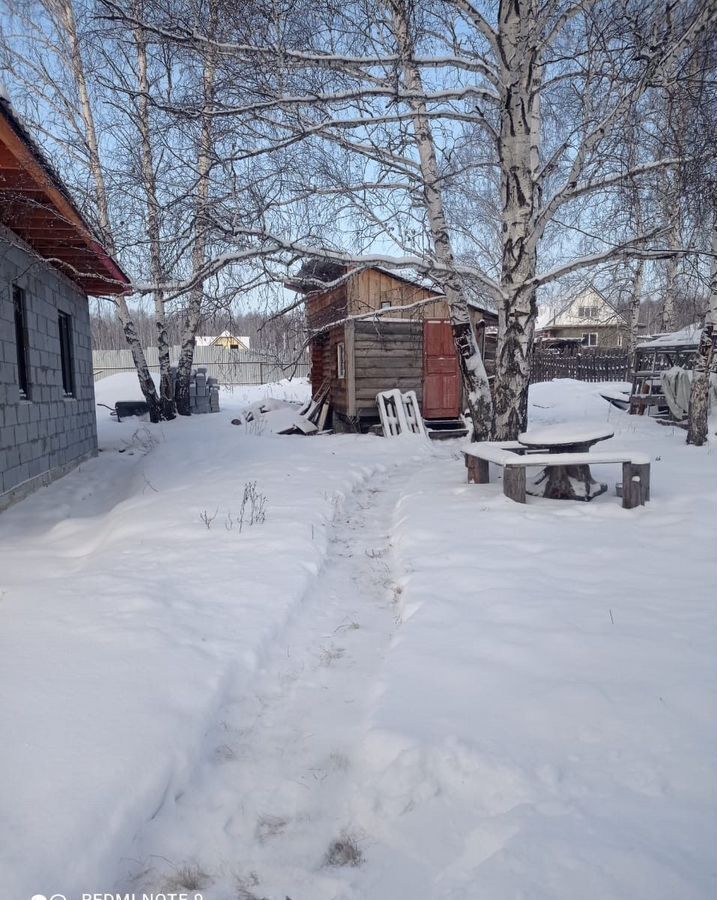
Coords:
166,388
704,358
69,24
638,273
475,379
675,127
199,249
67,21
670,302
635,303
519,150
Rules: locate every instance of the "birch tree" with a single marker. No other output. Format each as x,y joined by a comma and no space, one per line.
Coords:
145,176
154,239
674,143
704,361
526,36
205,157
699,180
475,378
38,79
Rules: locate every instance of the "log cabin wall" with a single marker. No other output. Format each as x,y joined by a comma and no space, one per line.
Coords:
324,367
373,288
327,306
385,355
377,352
380,353
337,391
321,310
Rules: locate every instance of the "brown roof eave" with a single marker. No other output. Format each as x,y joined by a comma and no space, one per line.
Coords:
33,162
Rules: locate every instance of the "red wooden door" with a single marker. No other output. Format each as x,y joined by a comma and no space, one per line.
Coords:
441,375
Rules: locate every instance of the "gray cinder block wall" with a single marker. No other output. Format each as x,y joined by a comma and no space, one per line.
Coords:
44,436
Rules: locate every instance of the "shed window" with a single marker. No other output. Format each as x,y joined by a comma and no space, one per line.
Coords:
18,303
66,361
385,304
341,359
590,339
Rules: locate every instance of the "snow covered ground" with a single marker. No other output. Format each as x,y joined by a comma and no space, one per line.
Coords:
398,685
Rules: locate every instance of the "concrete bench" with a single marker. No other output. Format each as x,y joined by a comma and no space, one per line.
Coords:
635,468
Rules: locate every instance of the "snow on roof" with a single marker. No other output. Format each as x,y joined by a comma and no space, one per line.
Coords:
689,335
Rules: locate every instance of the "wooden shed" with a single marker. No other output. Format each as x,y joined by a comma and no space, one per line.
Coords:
408,346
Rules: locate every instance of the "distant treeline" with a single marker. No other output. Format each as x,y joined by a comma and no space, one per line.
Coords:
283,337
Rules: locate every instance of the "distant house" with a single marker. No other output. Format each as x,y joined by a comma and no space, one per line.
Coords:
50,260
225,340
588,319
410,346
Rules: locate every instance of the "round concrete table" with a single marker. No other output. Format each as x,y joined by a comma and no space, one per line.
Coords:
567,482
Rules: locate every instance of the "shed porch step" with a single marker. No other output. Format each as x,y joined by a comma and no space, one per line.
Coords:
443,429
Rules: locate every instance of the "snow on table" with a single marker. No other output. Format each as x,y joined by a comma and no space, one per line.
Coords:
566,434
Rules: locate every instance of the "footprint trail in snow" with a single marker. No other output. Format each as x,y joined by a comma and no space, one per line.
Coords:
265,814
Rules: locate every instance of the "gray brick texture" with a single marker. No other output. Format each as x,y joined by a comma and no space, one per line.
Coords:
46,431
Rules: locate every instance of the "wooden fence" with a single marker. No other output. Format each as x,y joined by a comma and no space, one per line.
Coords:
228,366
588,365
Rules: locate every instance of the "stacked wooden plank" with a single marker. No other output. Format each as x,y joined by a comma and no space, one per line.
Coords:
312,418
400,413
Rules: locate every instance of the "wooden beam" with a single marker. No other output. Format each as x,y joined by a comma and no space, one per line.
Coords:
478,469
514,483
350,362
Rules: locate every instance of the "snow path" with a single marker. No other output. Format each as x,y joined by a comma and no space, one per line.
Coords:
272,792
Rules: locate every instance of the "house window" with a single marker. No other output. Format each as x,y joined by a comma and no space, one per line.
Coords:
385,304
341,359
588,312
619,340
18,303
590,339
66,361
